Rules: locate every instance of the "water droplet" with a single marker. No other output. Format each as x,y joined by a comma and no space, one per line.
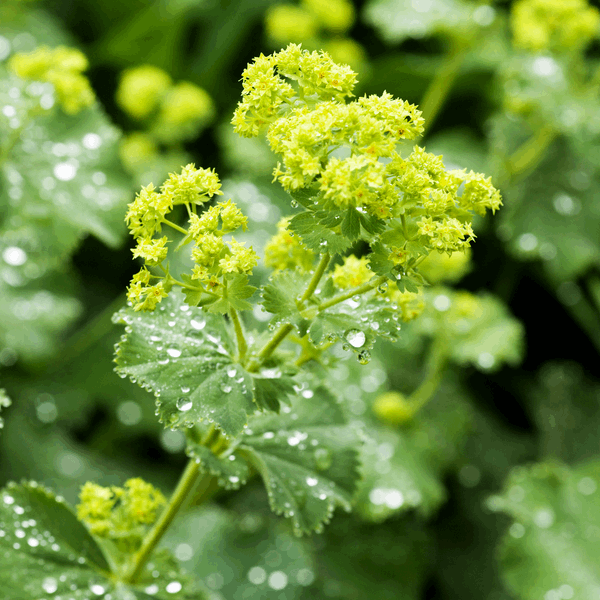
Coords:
226,388
294,204
173,587
364,357
14,256
185,389
278,580
311,481
442,303
65,171
184,404
151,589
174,351
355,338
197,324
231,371
257,575
382,289
50,585
234,479
97,589
323,459
544,518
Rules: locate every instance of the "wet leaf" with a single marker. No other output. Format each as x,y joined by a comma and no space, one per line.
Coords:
551,549
317,236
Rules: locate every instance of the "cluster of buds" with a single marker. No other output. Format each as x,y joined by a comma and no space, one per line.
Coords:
286,251
63,68
122,515
556,25
214,258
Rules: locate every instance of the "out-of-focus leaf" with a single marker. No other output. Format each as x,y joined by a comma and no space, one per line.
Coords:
360,560
477,330
404,466
241,557
551,549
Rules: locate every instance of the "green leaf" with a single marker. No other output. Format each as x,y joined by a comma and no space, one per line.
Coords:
305,197
270,391
357,323
184,356
243,552
281,293
379,261
47,551
396,20
317,236
307,456
192,297
551,549
351,224
404,467
234,296
477,330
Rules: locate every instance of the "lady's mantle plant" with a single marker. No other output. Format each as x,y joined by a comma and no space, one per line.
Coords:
260,402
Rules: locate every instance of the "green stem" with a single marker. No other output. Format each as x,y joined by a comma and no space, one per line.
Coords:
314,281
440,86
436,363
531,152
174,226
282,332
362,289
190,287
186,483
239,334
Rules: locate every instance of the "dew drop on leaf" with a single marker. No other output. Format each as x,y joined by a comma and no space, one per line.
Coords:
184,404
355,338
322,459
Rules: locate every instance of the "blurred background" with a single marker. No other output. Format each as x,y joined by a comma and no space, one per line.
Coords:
510,90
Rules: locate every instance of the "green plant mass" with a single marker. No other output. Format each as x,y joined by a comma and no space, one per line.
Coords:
299,300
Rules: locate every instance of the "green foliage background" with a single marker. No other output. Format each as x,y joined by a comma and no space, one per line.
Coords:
491,491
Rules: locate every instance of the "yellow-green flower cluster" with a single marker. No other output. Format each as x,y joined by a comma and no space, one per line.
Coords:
177,111
447,234
267,94
557,25
146,216
120,514
352,272
136,150
63,68
292,23
212,255
393,408
286,251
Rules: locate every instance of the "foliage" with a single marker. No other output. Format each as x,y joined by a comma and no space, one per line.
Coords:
335,345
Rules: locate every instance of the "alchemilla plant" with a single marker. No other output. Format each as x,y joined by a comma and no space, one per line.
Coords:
374,221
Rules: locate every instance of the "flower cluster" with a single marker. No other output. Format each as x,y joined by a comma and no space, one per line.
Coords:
286,251
214,258
557,25
289,23
121,515
176,112
63,68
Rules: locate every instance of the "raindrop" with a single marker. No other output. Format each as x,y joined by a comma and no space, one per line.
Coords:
355,338
174,352
294,204
50,585
257,575
185,389
33,542
97,589
184,404
197,325
544,518
226,388
151,589
92,141
234,479
173,587
311,481
364,357
65,171
442,302
268,435
382,289
14,256
278,580
231,372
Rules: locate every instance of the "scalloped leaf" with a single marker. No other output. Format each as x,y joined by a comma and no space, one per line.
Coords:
307,457
316,235
183,355
47,551
281,293
551,549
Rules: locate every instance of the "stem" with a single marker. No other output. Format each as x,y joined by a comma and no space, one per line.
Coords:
174,226
190,287
362,289
239,334
435,367
314,282
531,152
281,333
440,85
186,483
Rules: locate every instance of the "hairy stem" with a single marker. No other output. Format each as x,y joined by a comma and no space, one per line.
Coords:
529,154
239,334
314,281
187,482
281,333
361,289
441,84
